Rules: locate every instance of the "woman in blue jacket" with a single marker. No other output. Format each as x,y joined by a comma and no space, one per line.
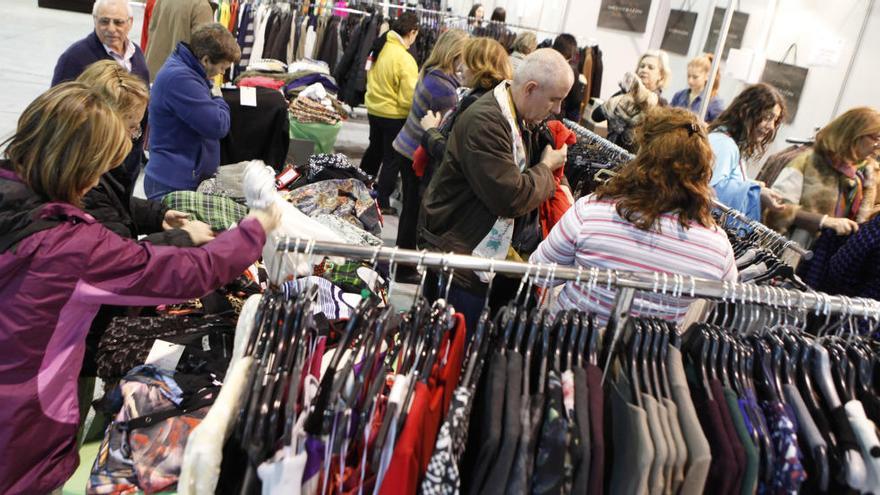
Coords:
698,71
741,133
187,117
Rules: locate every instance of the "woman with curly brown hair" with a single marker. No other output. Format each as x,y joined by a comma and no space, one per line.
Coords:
742,132
653,216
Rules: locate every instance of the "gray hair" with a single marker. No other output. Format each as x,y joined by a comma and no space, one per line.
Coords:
544,66
665,70
525,43
101,3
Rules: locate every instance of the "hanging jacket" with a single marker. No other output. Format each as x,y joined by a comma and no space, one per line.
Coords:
57,266
187,123
391,82
552,210
351,70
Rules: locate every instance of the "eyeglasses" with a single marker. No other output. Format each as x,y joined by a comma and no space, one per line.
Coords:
105,21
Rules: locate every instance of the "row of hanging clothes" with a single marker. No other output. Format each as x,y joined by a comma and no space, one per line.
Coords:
534,401
763,256
796,398
289,31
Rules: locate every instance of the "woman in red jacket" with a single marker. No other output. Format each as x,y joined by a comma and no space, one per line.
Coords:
58,265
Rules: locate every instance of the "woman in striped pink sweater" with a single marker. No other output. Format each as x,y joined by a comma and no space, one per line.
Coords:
653,216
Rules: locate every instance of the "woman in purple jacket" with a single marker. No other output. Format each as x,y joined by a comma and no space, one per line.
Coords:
58,265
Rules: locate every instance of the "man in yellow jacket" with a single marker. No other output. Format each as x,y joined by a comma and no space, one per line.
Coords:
391,83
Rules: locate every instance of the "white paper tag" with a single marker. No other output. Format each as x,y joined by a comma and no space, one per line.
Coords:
248,96
206,343
165,355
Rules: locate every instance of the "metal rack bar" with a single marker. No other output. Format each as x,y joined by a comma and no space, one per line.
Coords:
765,230
648,281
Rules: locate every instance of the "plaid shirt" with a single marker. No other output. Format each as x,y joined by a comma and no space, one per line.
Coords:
218,212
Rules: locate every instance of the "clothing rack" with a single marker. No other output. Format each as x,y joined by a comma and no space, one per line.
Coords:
634,281
463,17
759,228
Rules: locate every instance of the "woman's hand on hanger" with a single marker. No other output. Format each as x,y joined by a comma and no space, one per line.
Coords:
841,226
771,199
269,217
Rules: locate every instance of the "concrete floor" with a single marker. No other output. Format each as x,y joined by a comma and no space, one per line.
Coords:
31,39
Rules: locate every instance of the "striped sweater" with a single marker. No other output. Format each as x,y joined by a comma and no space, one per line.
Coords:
435,91
592,234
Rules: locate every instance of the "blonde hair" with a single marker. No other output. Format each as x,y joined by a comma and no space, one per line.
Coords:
488,63
665,71
447,50
119,88
840,138
525,43
704,63
67,138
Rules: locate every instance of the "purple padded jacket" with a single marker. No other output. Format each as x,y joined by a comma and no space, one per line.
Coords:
57,266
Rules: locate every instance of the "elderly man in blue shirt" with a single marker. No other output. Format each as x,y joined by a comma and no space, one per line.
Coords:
109,41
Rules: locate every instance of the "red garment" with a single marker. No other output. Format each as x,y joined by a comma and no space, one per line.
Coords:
431,401
552,210
261,82
420,161
404,472
233,17
145,29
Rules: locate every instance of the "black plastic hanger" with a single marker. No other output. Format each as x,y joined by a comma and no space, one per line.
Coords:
632,360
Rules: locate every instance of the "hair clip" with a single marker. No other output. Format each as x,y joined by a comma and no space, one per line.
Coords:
691,128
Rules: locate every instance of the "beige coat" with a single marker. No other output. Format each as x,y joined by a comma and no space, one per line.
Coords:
173,21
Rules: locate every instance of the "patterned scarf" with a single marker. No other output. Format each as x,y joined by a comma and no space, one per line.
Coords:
496,244
850,194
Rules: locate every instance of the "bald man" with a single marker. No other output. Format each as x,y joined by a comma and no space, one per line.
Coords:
109,41
497,170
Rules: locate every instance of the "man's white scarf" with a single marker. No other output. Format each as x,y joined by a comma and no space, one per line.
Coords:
497,242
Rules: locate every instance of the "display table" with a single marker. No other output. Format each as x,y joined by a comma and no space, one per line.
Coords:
323,135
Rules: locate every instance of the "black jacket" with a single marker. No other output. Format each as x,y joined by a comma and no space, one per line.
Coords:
256,133
112,204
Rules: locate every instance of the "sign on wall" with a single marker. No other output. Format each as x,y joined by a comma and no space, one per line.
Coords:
679,31
624,15
789,80
734,35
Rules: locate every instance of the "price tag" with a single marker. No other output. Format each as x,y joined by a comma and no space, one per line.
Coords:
165,355
248,96
286,177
